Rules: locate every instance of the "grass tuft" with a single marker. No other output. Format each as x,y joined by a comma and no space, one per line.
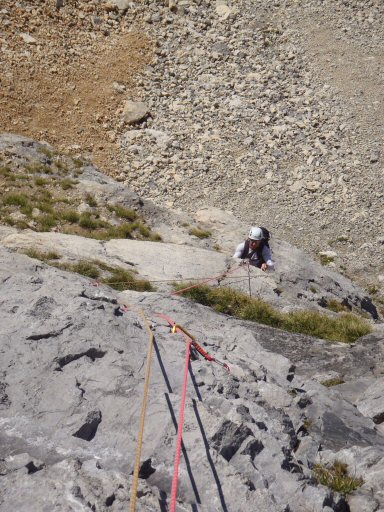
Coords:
121,279
15,200
332,382
124,213
200,233
70,216
67,183
83,267
90,200
46,222
336,477
39,181
336,306
42,256
117,277
326,260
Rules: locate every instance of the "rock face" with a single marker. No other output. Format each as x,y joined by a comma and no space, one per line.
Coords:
297,283
72,373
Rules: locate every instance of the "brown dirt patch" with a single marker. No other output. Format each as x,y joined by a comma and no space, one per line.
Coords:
60,88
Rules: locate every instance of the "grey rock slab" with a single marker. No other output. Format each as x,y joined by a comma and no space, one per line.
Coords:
158,261
371,403
68,246
60,382
5,231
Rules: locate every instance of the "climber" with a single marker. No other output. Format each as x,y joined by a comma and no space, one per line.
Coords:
256,249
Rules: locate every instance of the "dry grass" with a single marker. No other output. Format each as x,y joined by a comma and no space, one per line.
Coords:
345,328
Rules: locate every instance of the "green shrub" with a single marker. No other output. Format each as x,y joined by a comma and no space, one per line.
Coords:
26,210
336,477
346,327
373,289
44,196
45,207
124,230
85,268
200,233
61,166
77,162
117,278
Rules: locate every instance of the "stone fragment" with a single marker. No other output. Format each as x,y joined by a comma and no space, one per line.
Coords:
27,38
134,111
223,10
312,186
120,88
122,5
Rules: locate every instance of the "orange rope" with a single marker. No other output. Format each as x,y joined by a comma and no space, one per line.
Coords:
142,416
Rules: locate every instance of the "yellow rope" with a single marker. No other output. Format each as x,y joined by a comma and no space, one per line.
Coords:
142,416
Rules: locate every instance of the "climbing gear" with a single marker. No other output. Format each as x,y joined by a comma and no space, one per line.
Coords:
143,411
249,279
178,328
266,235
199,348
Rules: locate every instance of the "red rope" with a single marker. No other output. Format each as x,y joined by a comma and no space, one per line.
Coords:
220,276
176,464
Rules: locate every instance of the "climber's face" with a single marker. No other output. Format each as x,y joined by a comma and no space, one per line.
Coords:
254,244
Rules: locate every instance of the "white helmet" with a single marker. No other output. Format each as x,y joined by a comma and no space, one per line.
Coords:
255,234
